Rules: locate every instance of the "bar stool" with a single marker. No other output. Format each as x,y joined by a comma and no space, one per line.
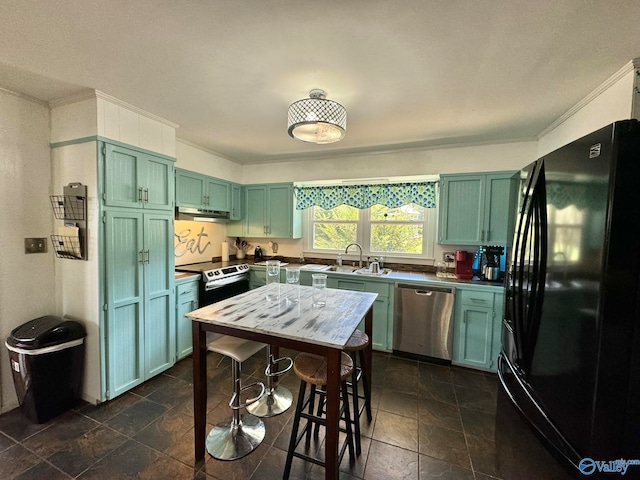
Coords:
357,343
312,370
278,399
238,435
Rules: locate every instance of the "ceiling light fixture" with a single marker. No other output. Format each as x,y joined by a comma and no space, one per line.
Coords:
316,119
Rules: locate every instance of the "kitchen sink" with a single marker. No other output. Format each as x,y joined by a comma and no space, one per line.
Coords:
342,269
366,271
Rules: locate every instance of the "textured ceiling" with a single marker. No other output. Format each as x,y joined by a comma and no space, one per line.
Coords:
410,72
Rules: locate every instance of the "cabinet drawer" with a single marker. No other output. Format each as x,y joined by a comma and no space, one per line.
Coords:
351,285
188,289
479,299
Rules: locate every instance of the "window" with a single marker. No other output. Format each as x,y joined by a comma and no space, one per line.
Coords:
565,233
404,231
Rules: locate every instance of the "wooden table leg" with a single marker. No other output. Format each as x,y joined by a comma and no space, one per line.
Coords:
368,356
333,414
199,388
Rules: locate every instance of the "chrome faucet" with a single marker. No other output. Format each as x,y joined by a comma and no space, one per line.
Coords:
360,247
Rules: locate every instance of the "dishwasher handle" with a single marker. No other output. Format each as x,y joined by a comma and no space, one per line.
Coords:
426,290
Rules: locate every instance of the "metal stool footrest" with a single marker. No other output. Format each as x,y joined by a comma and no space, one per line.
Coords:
250,401
273,362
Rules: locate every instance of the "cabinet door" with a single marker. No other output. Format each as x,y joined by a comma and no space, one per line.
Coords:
159,293
498,315
124,269
190,189
256,221
381,340
461,210
236,202
474,327
123,177
186,301
218,195
158,184
497,214
279,211
257,278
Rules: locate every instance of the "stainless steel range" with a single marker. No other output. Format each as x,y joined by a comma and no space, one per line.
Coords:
218,280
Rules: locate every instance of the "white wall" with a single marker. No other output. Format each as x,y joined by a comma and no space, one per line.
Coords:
77,281
27,285
190,157
610,102
471,158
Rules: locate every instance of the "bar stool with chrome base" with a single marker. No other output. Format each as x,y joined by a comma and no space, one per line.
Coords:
278,399
312,369
238,435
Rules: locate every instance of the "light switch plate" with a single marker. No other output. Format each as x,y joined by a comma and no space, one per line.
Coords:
35,245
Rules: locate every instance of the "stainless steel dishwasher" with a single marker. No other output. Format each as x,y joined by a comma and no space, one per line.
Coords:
423,320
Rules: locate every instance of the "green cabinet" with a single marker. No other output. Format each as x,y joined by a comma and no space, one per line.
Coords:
186,301
269,213
475,209
135,179
139,297
477,327
201,191
382,306
236,202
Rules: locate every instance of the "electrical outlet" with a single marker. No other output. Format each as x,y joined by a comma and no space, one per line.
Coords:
35,245
448,256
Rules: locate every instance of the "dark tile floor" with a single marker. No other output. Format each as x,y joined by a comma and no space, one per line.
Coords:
429,421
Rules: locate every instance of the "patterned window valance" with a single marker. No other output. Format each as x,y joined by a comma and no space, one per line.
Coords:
391,195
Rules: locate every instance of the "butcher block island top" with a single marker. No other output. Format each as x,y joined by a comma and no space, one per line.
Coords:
331,325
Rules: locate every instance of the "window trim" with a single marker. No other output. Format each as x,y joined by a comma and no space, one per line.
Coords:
363,226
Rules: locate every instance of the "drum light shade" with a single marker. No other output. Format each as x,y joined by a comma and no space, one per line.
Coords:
316,119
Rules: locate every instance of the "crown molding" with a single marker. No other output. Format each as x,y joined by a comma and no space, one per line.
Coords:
629,67
95,94
23,96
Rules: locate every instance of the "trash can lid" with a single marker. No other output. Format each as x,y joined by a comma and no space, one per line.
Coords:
44,332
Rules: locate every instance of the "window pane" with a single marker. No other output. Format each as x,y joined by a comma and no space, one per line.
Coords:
410,212
390,238
334,236
342,212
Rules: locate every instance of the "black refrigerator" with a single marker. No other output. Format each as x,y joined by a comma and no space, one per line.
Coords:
570,358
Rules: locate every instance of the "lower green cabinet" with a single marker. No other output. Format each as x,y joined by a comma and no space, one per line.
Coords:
477,328
186,301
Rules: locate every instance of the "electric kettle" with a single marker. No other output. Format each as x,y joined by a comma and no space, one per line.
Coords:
257,254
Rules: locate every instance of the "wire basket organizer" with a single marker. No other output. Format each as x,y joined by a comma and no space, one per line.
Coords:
72,208
68,207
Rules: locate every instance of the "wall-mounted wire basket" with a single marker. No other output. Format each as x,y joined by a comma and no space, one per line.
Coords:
72,208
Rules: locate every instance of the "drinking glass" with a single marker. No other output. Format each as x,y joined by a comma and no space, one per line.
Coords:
273,280
293,284
319,283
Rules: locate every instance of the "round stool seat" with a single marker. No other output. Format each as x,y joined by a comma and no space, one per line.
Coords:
358,341
313,368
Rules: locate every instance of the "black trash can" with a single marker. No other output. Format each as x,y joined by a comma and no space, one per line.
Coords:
47,361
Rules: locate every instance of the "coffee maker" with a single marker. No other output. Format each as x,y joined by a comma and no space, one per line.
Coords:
464,262
488,263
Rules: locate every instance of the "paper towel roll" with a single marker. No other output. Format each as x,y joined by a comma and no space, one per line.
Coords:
225,251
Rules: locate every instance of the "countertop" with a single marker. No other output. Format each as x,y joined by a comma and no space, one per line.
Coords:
393,277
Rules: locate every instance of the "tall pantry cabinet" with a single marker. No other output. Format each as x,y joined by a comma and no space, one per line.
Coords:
138,266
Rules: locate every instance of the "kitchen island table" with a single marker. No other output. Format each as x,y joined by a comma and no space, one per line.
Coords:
299,326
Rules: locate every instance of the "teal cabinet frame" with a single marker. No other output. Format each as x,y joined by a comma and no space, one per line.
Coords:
186,301
476,209
201,191
140,304
135,179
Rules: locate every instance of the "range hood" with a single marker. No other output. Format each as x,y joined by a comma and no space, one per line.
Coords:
198,215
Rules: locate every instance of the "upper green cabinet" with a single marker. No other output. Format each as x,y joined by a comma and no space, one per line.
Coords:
236,202
474,209
269,213
200,191
135,179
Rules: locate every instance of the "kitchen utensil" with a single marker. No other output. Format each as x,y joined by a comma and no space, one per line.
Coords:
258,255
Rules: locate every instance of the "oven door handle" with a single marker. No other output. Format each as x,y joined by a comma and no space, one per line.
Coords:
224,281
